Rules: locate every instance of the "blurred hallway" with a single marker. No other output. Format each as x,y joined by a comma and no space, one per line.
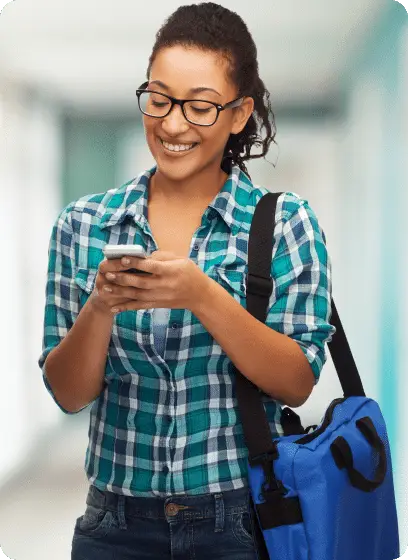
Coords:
40,504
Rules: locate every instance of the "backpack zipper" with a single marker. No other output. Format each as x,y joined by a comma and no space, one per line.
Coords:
326,421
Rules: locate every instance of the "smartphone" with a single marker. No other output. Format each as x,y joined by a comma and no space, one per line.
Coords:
119,251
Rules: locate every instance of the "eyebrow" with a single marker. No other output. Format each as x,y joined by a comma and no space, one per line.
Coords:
192,90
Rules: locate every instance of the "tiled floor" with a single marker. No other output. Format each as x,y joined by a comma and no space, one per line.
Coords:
38,509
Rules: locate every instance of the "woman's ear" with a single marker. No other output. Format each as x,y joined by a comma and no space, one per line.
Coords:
242,114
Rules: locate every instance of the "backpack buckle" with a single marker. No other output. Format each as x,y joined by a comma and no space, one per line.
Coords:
259,285
264,458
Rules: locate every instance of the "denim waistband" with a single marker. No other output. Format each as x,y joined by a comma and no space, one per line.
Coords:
177,507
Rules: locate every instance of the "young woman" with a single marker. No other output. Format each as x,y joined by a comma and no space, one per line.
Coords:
166,459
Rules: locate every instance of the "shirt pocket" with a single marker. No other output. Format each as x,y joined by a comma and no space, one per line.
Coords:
85,278
233,280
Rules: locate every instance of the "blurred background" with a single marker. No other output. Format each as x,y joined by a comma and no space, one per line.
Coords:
70,126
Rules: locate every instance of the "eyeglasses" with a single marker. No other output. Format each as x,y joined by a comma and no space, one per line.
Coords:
196,111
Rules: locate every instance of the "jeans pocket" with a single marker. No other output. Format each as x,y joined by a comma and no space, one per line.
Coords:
95,522
242,528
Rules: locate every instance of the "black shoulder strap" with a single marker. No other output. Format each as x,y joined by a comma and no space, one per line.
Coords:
256,429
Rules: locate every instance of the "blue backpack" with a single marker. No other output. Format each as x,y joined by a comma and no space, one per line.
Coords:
327,494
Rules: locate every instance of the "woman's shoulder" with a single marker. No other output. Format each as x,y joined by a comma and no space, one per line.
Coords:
94,204
287,203
291,209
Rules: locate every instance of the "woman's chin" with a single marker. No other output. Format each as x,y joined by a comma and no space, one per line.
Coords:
176,166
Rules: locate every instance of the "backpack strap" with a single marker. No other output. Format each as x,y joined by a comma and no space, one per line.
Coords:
276,509
255,424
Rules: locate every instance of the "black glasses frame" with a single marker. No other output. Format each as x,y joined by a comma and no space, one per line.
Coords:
174,101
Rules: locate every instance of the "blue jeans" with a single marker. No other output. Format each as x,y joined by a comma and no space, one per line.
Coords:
200,527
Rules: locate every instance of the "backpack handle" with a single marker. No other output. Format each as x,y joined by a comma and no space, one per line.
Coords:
343,456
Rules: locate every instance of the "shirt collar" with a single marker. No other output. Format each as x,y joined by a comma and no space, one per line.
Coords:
130,200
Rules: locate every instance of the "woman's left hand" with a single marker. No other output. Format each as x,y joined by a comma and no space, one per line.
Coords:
176,282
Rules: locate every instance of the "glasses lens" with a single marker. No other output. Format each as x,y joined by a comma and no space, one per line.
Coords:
158,105
154,104
200,112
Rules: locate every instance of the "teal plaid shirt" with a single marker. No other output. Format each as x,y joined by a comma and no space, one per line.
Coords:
168,423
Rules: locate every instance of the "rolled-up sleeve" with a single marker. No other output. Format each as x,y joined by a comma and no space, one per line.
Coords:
300,303
61,292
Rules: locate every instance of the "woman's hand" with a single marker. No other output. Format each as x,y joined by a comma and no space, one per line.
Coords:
175,283
101,300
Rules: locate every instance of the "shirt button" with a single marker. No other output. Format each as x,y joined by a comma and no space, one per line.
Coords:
168,418
165,469
174,326
196,247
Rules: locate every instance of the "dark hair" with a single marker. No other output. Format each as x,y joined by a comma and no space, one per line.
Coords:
212,27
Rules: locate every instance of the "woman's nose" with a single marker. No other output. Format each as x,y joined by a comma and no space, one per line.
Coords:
175,120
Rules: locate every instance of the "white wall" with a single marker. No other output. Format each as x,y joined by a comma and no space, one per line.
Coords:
402,450
29,187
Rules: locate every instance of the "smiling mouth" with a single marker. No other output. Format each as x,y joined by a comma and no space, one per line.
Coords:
176,152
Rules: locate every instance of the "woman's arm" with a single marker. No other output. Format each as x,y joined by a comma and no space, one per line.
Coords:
271,360
75,341
75,368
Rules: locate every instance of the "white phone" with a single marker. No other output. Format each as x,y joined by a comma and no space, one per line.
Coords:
119,251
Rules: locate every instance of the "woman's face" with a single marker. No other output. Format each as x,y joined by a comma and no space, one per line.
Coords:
182,69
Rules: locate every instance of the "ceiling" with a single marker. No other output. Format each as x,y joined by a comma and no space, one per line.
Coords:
91,55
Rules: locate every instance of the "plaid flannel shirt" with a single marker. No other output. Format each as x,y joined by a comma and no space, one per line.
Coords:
168,423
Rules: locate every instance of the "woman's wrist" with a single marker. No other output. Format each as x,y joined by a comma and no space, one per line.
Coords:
98,307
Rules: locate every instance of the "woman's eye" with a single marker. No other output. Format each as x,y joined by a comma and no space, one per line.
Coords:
197,110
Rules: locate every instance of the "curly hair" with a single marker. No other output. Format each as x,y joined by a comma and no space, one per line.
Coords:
211,27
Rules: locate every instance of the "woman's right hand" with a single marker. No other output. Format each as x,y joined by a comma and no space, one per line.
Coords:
101,300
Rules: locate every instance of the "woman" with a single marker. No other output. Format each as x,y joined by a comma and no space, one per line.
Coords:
166,459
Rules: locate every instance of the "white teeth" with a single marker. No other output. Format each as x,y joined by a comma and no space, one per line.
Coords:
177,147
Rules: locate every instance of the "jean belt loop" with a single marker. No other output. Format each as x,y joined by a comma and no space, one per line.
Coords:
219,513
121,511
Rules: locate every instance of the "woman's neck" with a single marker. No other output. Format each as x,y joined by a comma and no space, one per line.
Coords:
194,191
